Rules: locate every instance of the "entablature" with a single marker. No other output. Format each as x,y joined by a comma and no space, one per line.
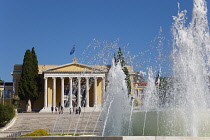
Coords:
74,74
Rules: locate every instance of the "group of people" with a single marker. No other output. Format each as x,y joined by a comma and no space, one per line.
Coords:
59,109
76,110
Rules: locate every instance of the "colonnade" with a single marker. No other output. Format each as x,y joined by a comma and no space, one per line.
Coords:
95,94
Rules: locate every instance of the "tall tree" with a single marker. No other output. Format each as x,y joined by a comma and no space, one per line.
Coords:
138,78
28,84
23,87
36,82
164,86
115,59
120,59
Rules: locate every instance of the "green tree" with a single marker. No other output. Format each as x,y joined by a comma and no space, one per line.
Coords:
28,84
115,59
138,78
24,88
120,59
7,112
164,85
36,82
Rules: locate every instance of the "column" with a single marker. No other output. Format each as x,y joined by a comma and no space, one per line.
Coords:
70,92
79,92
103,89
95,91
62,91
45,92
54,91
87,91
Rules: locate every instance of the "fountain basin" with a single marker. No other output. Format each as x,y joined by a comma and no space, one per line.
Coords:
168,123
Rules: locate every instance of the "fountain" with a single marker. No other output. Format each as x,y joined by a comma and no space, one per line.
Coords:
117,105
185,110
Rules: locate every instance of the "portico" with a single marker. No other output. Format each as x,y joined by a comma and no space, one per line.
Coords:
73,85
70,83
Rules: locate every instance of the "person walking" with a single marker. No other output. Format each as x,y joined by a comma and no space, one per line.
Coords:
52,108
79,110
61,109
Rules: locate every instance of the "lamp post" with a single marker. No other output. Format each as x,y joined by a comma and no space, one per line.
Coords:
0,95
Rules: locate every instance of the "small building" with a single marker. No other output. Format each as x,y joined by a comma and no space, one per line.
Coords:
85,83
139,88
6,92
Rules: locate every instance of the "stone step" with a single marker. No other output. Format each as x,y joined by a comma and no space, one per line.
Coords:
33,121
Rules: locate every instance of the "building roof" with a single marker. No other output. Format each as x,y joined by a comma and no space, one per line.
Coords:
6,83
140,83
49,68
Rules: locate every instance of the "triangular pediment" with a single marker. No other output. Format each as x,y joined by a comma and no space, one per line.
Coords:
74,67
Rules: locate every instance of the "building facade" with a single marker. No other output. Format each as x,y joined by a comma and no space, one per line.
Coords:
139,91
86,83
6,89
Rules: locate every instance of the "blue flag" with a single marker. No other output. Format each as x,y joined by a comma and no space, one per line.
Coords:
72,50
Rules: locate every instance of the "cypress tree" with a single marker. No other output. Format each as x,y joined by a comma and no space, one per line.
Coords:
115,59
28,84
138,78
36,80
24,88
120,59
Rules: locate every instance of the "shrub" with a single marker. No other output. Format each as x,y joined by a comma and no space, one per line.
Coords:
38,132
7,112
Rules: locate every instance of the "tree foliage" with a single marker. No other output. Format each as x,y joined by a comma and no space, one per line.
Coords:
28,85
164,86
120,58
7,112
138,78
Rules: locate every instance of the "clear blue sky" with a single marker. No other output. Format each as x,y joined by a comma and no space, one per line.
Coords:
54,26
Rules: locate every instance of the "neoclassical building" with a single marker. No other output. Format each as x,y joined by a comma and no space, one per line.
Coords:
68,85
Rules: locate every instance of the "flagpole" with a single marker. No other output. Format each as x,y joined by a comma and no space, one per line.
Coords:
74,51
3,93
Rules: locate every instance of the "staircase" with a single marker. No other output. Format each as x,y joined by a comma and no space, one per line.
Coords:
56,123
33,121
